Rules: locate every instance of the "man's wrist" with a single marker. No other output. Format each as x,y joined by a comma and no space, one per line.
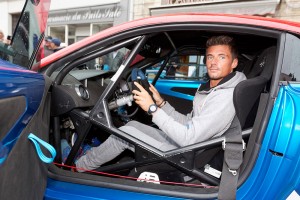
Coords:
162,103
158,103
152,109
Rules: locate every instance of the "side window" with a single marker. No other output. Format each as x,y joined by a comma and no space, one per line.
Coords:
290,69
153,70
187,67
98,69
111,61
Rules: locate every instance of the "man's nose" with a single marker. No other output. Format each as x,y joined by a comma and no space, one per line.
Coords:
214,60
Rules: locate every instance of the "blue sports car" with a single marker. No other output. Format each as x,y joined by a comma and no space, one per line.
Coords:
54,109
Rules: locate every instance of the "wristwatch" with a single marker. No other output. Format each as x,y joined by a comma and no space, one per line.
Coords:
152,109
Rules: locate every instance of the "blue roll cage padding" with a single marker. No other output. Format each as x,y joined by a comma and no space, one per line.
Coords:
50,148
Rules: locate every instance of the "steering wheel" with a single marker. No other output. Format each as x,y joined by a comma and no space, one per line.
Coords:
137,75
124,96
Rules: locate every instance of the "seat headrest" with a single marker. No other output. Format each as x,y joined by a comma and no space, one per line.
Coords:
264,64
245,94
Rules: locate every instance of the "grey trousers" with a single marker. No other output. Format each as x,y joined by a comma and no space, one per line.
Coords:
114,146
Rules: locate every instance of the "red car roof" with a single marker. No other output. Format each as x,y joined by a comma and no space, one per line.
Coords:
177,18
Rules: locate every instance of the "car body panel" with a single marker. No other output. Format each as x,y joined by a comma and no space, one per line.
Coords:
278,163
65,190
298,188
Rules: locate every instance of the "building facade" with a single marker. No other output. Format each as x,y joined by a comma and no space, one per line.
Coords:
9,15
282,9
289,10
73,20
82,19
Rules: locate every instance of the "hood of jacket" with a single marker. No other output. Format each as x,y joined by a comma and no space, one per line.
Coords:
230,81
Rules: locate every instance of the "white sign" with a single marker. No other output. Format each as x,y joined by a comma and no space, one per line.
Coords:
192,1
85,15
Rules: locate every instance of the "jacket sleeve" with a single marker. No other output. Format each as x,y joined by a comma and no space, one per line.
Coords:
177,116
214,118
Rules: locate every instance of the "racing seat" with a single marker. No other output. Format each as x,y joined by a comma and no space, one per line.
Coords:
261,72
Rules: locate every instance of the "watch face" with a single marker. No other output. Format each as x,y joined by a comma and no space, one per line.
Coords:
152,108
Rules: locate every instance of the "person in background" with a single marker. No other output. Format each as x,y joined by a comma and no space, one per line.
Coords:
2,39
8,40
47,49
5,44
173,64
55,44
115,59
102,63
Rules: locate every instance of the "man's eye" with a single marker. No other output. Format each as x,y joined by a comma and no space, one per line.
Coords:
209,57
221,57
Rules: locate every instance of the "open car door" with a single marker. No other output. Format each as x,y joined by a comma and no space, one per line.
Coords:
25,108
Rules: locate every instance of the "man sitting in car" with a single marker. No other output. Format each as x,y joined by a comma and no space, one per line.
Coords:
213,110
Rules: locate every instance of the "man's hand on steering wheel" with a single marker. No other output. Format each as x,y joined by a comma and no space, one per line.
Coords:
156,96
142,97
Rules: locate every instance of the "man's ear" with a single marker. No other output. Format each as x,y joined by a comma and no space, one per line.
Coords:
234,64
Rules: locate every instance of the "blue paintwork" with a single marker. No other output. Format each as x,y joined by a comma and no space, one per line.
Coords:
165,87
298,187
275,177
17,81
64,190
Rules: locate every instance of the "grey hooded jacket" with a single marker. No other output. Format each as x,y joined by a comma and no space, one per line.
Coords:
213,112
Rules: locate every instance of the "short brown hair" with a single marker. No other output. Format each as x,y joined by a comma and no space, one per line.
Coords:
223,40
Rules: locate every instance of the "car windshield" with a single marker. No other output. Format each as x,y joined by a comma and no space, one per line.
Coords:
24,48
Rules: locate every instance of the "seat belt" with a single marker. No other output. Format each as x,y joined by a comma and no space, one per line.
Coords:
233,146
203,157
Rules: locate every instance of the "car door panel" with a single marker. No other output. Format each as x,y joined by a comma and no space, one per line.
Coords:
12,108
178,93
278,160
21,168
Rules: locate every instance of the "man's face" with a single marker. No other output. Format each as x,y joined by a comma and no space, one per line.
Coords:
52,45
47,44
219,61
